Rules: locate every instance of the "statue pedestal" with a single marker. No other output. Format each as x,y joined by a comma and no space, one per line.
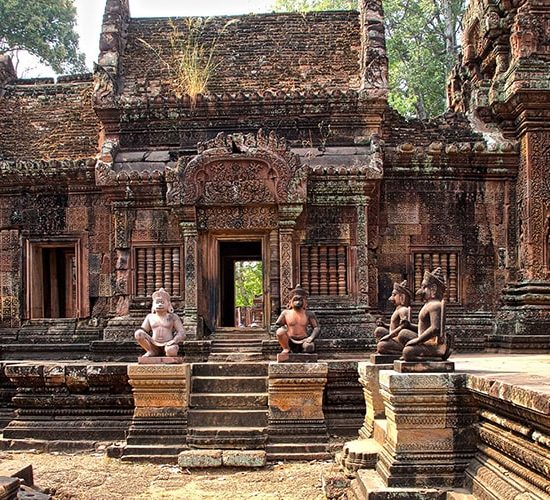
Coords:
161,398
160,360
430,437
383,359
297,427
423,366
297,357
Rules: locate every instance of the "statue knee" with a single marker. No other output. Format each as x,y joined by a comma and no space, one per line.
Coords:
409,353
172,350
281,332
139,335
380,332
308,347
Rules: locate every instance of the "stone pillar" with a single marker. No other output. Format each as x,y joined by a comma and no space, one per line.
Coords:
374,62
430,437
287,221
524,321
296,425
190,238
161,398
362,255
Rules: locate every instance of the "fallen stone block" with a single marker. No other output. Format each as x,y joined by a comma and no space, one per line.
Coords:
191,459
244,458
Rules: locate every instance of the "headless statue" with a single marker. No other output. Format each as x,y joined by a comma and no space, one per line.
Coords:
393,337
161,322
431,343
293,324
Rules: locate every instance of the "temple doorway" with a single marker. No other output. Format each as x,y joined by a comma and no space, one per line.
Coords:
241,284
52,279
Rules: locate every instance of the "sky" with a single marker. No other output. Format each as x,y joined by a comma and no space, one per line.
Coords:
90,14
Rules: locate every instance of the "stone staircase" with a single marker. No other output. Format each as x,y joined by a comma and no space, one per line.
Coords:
237,345
228,406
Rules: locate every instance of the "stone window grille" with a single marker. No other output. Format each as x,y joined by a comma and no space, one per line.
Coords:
449,263
323,269
157,267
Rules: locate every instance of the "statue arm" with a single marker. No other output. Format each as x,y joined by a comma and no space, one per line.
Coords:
146,325
281,320
403,321
180,332
433,330
316,329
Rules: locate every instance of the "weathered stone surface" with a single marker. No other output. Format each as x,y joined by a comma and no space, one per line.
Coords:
429,438
369,486
296,421
191,459
159,423
359,454
9,487
69,402
292,357
374,404
423,366
160,360
243,458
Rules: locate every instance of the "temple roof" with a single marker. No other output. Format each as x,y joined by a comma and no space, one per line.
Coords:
252,53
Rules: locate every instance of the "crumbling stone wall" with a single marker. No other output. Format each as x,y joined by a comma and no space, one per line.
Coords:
43,120
256,53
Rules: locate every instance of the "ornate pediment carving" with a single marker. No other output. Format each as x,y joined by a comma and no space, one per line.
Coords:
239,169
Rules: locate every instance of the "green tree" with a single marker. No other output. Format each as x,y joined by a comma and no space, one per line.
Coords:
248,282
421,38
44,28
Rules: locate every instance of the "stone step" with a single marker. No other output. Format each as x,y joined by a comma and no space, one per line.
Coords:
236,400
237,341
370,486
146,450
236,357
460,494
229,349
228,384
246,438
227,418
230,369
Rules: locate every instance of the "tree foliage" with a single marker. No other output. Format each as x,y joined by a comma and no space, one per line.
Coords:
44,28
421,37
248,282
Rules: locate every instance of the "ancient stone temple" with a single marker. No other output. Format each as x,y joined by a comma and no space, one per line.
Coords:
115,184
288,161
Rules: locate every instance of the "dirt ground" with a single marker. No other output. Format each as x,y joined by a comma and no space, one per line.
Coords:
85,476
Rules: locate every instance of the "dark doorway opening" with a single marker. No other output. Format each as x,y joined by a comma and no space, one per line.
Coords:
238,259
53,282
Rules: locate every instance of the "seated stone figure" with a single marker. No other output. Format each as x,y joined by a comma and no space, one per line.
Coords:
162,323
432,343
293,323
393,337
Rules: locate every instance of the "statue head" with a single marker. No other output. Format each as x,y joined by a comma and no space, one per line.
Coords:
298,298
161,301
401,295
433,285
